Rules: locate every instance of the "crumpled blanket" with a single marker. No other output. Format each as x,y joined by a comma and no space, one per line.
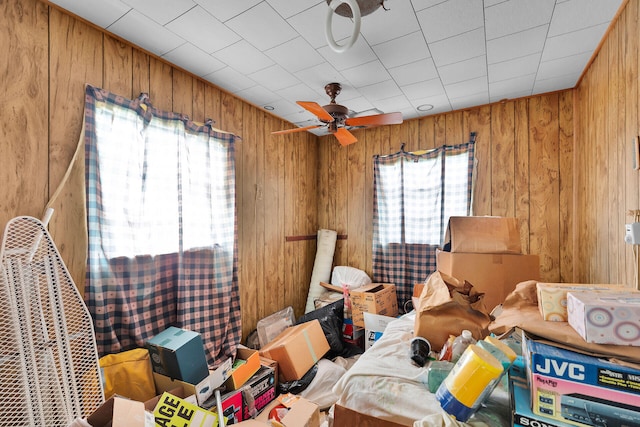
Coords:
386,384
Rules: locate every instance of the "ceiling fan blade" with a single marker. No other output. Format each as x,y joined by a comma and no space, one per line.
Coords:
316,109
344,136
375,120
280,132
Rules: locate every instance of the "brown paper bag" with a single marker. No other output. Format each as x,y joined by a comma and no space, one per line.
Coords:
520,310
446,307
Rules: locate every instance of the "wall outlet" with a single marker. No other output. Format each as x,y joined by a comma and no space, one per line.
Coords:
632,233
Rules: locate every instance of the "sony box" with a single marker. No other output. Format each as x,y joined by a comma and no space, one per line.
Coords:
179,354
297,349
377,298
552,298
495,275
580,389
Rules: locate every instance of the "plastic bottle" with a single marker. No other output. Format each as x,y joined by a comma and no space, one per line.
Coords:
463,387
460,344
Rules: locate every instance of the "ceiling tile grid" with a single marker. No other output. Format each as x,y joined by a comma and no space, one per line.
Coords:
410,55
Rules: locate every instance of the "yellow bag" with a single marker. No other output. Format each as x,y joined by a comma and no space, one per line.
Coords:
128,374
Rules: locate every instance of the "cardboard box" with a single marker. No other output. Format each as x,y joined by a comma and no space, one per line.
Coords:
242,372
297,349
580,389
483,234
262,386
179,354
552,298
120,412
605,317
374,326
345,417
415,297
173,410
377,298
232,404
302,412
521,415
201,391
495,275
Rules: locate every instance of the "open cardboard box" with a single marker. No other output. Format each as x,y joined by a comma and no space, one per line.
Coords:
302,413
120,412
243,372
345,417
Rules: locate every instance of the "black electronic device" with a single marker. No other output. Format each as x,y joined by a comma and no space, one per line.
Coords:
598,412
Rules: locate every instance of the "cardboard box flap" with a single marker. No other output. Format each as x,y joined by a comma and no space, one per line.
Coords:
119,412
483,234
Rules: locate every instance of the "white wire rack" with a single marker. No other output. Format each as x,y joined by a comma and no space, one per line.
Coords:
49,369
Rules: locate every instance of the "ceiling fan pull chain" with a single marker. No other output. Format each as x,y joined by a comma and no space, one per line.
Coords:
355,10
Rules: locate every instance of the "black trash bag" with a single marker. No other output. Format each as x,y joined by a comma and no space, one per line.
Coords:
330,318
298,386
252,340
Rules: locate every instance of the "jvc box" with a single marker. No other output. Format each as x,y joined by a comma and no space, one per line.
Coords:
580,389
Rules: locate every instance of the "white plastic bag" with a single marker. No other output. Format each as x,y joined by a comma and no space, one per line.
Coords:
351,277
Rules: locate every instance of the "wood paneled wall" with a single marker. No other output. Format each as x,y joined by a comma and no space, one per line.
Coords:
48,57
606,185
524,151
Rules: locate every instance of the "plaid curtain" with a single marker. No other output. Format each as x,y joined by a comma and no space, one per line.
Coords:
162,226
414,196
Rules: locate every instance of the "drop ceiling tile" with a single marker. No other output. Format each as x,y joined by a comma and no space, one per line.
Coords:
366,74
224,10
516,45
382,90
194,60
402,50
299,92
360,53
563,66
282,107
397,21
573,43
467,88
203,30
414,72
318,76
295,55
230,80
440,103
516,15
458,48
262,27
423,4
555,83
257,95
463,70
393,104
274,78
99,12
512,88
161,11
425,89
288,8
450,18
359,106
243,57
310,24
527,65
472,100
578,14
146,33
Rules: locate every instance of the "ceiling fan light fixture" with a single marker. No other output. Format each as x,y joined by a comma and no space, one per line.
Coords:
355,10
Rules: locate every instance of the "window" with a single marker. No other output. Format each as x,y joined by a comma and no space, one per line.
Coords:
414,196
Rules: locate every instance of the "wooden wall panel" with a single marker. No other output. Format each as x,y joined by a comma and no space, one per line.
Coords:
515,177
605,186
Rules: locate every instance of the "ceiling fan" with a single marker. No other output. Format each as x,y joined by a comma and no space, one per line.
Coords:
335,117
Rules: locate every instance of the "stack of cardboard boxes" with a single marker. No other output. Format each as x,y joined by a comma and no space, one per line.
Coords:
486,251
